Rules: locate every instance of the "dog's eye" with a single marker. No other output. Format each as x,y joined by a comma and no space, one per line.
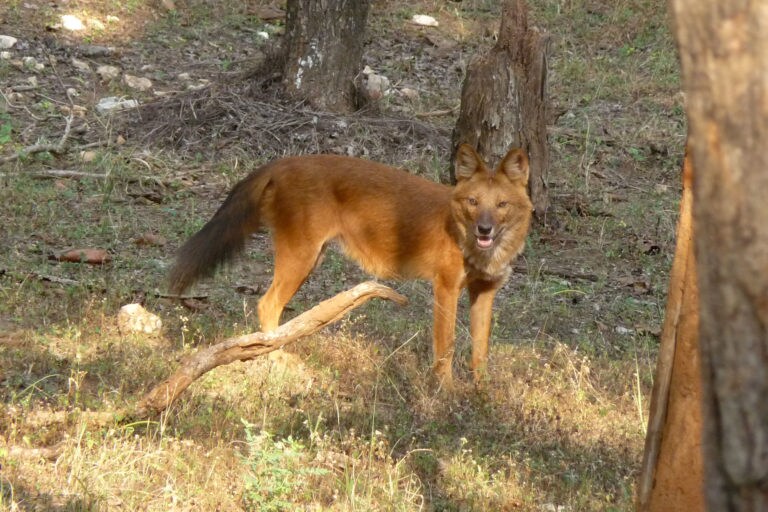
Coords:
472,201
502,204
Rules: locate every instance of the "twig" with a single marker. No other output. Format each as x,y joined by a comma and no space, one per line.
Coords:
522,268
435,113
37,275
250,346
41,148
58,173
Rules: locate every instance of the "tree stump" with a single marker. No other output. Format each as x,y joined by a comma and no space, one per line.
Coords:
504,100
323,51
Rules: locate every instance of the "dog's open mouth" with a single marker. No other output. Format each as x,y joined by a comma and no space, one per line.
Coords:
484,242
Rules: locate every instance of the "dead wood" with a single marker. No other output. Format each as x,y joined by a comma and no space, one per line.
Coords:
522,268
250,346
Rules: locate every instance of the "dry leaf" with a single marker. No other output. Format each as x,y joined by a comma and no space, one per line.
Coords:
89,255
149,239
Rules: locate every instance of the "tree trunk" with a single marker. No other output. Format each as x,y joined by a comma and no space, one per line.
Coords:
504,100
323,51
672,475
724,58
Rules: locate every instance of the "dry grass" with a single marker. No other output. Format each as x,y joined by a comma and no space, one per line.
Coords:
350,420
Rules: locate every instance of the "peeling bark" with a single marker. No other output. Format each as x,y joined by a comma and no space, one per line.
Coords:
672,474
724,59
323,51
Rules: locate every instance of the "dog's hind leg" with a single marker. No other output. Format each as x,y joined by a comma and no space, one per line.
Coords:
293,264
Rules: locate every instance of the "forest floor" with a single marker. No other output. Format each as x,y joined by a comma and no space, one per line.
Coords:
350,419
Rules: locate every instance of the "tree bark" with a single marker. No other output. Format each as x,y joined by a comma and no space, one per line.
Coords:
504,100
724,60
323,51
250,346
672,474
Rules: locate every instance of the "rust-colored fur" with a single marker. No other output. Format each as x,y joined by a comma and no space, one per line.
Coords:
394,224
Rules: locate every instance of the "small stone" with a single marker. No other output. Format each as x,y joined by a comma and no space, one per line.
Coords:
88,156
81,65
134,318
29,62
407,92
377,86
184,77
92,50
108,73
71,22
113,103
7,42
32,80
137,82
5,55
424,20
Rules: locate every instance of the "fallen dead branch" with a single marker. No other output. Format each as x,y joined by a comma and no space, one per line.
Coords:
522,268
250,346
65,173
46,452
57,148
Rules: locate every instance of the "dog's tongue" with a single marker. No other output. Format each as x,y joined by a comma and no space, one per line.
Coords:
484,242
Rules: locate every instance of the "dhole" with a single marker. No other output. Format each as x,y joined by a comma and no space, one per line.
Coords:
394,224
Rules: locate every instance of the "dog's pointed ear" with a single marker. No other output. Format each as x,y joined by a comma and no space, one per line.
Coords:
515,166
467,162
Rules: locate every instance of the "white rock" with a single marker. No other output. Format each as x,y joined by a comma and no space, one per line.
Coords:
7,42
377,86
71,22
112,19
137,82
112,103
184,77
29,62
409,93
87,157
39,66
424,20
107,73
81,65
5,55
32,80
134,318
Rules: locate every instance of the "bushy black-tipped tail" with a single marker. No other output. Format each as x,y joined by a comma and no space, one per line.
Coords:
221,239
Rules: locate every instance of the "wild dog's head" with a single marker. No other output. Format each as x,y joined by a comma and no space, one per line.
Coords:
491,207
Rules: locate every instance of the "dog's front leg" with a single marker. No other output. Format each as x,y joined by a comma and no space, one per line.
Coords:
481,295
446,301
